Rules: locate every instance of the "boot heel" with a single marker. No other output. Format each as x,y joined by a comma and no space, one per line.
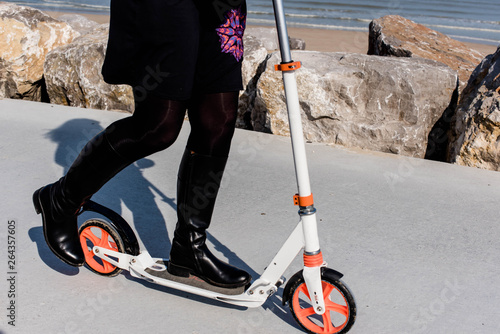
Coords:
178,271
36,201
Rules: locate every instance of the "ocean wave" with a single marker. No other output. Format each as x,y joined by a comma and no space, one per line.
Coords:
475,39
323,17
312,16
293,16
463,28
66,5
254,12
315,4
361,24
308,25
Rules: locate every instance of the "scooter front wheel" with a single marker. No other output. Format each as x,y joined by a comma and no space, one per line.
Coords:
98,232
340,312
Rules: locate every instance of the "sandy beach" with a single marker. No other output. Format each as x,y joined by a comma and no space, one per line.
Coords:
318,39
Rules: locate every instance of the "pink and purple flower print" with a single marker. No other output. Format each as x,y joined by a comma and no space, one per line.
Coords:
231,33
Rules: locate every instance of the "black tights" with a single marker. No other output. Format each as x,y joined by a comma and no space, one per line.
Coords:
156,123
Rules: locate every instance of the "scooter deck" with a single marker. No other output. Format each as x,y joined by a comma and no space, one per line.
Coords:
193,281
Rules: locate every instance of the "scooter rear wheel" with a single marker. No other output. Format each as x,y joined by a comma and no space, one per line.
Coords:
340,306
98,232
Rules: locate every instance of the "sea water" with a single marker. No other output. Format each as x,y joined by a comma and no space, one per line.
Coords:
466,20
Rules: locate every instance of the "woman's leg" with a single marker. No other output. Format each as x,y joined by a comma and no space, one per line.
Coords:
212,118
153,127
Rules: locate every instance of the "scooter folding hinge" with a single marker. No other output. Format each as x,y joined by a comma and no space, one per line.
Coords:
291,66
303,200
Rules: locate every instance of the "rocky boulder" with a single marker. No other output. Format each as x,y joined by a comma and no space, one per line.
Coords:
79,22
26,36
256,51
376,103
259,43
255,56
8,87
73,75
394,35
476,125
268,38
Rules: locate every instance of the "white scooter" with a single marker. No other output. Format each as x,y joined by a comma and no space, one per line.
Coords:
317,297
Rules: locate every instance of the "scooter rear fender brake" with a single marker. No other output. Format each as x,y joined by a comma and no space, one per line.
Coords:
118,223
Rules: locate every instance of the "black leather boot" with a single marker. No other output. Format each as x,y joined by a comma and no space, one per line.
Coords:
60,202
197,187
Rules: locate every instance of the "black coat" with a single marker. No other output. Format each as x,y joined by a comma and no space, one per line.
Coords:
157,44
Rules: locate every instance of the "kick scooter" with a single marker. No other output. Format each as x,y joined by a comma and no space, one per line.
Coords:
317,297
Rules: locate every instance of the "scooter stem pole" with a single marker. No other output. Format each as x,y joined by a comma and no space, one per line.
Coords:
296,132
292,103
279,15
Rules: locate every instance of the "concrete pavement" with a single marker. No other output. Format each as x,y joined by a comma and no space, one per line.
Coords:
418,241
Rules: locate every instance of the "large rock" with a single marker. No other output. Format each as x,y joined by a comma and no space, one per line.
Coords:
394,35
73,75
255,55
476,125
26,36
376,103
8,85
259,43
268,38
80,23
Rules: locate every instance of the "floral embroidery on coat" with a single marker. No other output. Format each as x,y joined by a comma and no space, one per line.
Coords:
231,33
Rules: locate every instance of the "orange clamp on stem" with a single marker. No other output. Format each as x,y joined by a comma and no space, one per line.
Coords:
303,200
295,65
315,260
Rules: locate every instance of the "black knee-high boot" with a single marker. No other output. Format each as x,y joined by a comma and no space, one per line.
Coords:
60,202
197,187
